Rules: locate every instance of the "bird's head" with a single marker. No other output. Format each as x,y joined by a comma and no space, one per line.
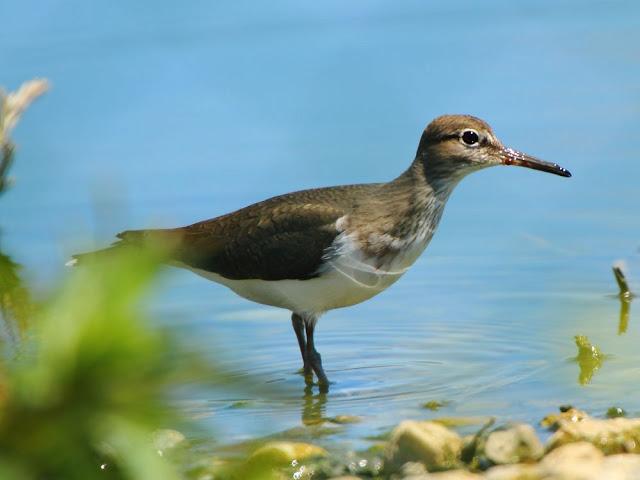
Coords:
454,145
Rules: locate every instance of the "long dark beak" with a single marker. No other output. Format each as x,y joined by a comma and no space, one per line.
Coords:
513,157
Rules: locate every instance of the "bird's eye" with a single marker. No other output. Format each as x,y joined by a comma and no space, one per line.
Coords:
470,137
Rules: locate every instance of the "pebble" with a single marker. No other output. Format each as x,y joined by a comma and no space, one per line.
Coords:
429,443
516,444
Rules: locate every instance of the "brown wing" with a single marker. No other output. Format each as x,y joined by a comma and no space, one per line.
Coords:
281,238
284,243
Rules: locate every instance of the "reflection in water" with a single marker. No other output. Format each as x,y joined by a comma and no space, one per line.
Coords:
625,304
313,407
625,297
590,359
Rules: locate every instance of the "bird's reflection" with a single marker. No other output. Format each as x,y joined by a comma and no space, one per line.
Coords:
313,407
625,307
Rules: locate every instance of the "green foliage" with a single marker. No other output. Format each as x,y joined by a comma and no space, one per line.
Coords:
15,301
92,379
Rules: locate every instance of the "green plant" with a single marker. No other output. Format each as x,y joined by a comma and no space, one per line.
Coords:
92,380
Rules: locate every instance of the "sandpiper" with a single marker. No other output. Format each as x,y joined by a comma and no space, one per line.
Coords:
315,250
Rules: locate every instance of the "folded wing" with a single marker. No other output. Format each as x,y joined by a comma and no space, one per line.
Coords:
264,241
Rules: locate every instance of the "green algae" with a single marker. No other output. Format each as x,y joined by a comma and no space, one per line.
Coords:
435,405
590,358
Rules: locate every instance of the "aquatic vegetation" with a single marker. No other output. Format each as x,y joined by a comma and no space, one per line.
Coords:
435,405
614,412
589,358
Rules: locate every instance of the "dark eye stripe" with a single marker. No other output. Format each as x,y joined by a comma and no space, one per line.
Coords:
457,136
449,137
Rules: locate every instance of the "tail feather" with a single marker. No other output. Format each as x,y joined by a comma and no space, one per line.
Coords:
165,238
168,236
80,258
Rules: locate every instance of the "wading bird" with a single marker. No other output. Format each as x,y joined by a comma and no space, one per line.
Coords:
315,250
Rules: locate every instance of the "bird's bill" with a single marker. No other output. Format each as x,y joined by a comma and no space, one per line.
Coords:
513,157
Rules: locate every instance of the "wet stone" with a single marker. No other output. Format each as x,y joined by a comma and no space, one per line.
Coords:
580,460
344,419
412,470
616,435
515,472
567,414
167,439
621,467
454,475
283,453
429,443
515,444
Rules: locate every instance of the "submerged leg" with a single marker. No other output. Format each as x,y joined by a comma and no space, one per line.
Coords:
313,357
298,327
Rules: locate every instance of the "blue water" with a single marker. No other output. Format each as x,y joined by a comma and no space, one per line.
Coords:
163,115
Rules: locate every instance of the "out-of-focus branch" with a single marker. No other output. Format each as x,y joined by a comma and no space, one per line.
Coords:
12,106
6,158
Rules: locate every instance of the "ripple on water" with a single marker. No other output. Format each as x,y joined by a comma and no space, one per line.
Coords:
507,358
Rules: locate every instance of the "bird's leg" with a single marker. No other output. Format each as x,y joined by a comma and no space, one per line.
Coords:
313,357
298,327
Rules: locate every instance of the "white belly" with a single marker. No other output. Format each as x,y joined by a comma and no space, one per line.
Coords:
345,279
332,289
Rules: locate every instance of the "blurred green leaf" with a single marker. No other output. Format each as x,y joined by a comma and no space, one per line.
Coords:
15,300
96,374
96,378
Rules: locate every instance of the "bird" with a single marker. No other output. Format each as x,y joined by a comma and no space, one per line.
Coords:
312,251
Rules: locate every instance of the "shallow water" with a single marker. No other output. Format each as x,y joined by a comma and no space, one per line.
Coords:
163,117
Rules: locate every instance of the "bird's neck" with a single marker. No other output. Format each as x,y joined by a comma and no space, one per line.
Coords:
398,218
420,187
408,206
